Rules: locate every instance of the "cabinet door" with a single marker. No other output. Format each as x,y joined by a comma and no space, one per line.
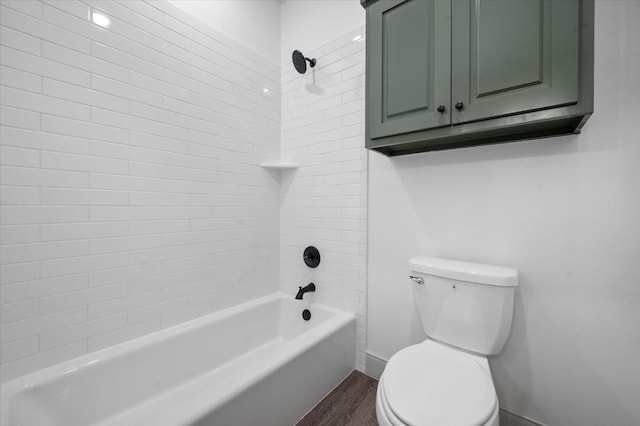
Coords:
512,56
408,66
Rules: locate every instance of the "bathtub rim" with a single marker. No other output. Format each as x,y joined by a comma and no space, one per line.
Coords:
10,388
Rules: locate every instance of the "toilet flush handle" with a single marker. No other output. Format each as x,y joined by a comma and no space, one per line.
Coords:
417,280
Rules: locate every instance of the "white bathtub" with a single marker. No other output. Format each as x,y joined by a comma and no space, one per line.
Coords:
258,363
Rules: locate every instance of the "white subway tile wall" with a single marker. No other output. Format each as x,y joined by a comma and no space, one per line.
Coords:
324,201
131,193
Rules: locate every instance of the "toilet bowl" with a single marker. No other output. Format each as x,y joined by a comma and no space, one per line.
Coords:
466,311
433,384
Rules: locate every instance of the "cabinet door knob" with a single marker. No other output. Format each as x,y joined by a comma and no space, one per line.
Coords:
459,105
441,108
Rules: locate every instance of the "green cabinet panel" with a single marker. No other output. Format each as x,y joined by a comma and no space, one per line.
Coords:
443,74
512,56
411,51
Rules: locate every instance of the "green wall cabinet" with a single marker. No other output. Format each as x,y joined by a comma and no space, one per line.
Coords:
445,74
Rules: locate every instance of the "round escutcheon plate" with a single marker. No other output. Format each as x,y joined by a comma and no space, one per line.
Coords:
311,257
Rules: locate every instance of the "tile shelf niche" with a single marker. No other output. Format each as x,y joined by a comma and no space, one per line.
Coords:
279,164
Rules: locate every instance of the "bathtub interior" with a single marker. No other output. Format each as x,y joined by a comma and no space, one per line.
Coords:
119,378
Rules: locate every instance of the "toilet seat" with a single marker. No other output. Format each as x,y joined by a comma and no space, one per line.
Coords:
433,384
386,418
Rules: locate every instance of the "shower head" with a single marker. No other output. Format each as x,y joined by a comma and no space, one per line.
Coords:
300,62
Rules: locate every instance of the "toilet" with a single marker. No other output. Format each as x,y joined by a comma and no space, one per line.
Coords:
466,311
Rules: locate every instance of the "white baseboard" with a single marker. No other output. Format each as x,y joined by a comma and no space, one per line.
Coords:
374,366
509,418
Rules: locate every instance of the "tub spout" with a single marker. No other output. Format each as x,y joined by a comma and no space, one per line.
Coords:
306,289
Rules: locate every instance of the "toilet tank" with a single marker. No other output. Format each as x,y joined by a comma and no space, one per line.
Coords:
467,305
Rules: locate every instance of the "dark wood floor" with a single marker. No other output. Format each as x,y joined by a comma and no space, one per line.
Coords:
352,403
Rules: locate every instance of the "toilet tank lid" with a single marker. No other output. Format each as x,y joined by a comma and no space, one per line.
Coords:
465,271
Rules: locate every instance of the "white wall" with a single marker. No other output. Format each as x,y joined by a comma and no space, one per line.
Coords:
132,197
309,24
323,203
254,23
564,211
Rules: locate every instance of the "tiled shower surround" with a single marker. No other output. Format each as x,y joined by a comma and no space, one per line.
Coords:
132,196
132,193
324,201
